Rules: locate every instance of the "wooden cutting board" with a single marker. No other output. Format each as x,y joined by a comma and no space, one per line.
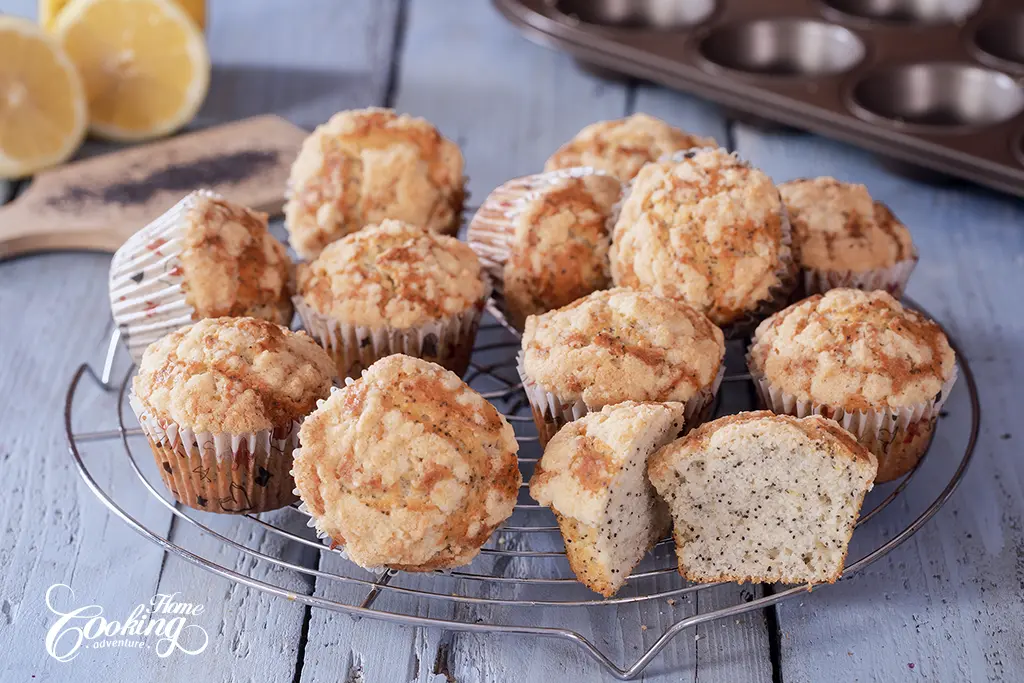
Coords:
98,203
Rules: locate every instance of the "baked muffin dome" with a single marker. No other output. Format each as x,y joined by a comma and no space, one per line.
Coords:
709,229
618,345
621,147
367,165
206,257
393,274
855,350
544,238
233,376
407,467
842,237
880,370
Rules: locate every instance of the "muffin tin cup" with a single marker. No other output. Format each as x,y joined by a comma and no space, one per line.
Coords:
147,293
224,473
898,437
492,231
447,342
892,279
551,412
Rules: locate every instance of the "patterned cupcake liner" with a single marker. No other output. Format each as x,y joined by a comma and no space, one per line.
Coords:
892,279
491,233
147,298
219,472
551,412
447,342
898,437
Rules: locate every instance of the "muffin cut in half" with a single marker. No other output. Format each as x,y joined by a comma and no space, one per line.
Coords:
763,498
594,478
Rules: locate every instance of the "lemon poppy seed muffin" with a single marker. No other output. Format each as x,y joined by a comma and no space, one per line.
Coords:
368,165
709,229
621,147
407,467
393,288
843,238
545,238
207,257
763,498
618,345
220,401
861,358
593,476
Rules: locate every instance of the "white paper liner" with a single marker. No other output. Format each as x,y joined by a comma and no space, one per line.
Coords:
146,295
491,233
552,412
220,472
448,342
892,279
879,431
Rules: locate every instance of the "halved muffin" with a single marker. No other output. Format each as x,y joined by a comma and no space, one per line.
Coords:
593,476
763,498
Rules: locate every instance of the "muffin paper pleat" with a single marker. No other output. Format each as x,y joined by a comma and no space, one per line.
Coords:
892,279
219,472
492,231
147,298
447,342
896,436
551,412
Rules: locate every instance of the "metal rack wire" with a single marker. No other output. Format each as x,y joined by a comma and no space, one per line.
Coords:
521,578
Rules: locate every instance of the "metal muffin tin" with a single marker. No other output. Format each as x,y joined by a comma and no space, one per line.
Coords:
936,83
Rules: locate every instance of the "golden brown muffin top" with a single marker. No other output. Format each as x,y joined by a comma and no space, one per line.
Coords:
230,263
838,227
621,147
619,345
853,349
764,428
706,228
393,274
233,375
583,458
407,467
367,165
560,247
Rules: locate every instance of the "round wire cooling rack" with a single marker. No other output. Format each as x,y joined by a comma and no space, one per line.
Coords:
521,583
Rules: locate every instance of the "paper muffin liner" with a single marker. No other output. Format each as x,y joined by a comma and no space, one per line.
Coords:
551,412
892,279
147,298
447,342
219,472
492,231
898,437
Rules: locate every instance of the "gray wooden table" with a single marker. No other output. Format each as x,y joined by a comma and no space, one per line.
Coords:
946,606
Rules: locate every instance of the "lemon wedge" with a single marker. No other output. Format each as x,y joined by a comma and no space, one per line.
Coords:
43,113
49,9
143,62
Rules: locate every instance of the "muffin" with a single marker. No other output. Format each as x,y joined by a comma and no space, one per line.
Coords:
368,165
619,345
220,402
843,238
623,146
763,498
205,258
407,467
393,288
544,239
708,229
880,370
593,476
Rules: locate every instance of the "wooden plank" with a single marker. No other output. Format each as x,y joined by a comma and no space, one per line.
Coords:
947,605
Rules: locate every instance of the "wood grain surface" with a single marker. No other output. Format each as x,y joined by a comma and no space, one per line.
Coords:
946,606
